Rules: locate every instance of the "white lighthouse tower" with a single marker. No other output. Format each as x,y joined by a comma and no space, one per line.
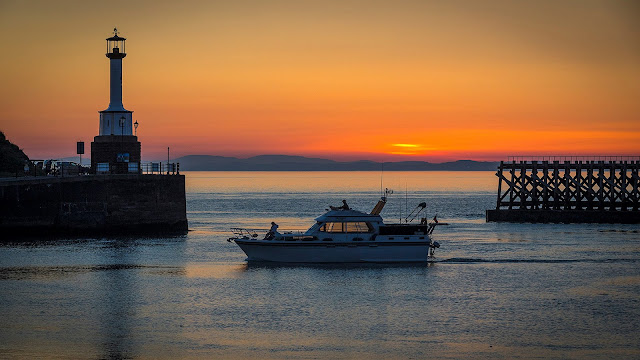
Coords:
116,149
115,120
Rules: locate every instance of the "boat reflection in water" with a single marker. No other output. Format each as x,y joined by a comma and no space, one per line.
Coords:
344,235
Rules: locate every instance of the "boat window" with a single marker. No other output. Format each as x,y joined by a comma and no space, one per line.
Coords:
357,227
332,227
349,227
335,227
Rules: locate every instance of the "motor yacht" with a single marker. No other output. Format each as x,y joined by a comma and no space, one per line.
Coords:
344,235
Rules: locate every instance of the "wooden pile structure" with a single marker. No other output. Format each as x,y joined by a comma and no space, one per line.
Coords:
568,189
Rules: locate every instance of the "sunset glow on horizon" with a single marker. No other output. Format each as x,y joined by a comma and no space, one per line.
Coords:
346,80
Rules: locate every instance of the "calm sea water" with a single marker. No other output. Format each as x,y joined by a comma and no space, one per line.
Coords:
496,290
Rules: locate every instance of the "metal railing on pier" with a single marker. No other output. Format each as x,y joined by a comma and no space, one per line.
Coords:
160,168
38,168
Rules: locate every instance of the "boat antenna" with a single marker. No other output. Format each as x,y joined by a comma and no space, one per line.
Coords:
406,199
382,194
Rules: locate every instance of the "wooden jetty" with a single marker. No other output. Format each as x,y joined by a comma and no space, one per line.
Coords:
568,190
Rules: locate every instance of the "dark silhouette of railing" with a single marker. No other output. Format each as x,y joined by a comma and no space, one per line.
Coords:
35,168
160,168
583,158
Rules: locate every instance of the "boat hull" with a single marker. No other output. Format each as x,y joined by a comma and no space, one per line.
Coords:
259,250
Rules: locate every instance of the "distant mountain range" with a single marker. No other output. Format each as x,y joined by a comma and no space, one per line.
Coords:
301,163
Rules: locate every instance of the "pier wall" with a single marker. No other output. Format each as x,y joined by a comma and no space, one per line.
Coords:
92,204
579,191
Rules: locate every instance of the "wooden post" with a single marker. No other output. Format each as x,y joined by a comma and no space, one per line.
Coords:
612,186
578,181
545,181
623,187
567,192
601,185
556,185
590,186
523,188
634,185
534,183
513,183
498,202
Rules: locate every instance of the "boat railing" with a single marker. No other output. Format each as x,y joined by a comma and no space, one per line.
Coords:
244,233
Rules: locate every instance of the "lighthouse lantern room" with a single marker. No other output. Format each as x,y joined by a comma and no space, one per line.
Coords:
116,149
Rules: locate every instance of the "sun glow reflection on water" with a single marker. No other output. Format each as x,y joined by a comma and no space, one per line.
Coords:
339,182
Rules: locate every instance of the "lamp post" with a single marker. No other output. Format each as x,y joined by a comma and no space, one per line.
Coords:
122,120
135,125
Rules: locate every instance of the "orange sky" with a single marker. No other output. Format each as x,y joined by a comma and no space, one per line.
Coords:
380,80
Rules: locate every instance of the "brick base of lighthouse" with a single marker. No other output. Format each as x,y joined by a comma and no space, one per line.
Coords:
115,154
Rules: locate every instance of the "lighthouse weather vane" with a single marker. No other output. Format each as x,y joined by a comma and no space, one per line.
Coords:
115,31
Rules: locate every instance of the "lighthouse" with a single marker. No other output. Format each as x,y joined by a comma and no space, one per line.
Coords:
116,150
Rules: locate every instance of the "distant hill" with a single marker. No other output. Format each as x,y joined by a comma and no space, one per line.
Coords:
301,163
12,159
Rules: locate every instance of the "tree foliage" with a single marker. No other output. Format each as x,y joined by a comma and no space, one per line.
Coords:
12,159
